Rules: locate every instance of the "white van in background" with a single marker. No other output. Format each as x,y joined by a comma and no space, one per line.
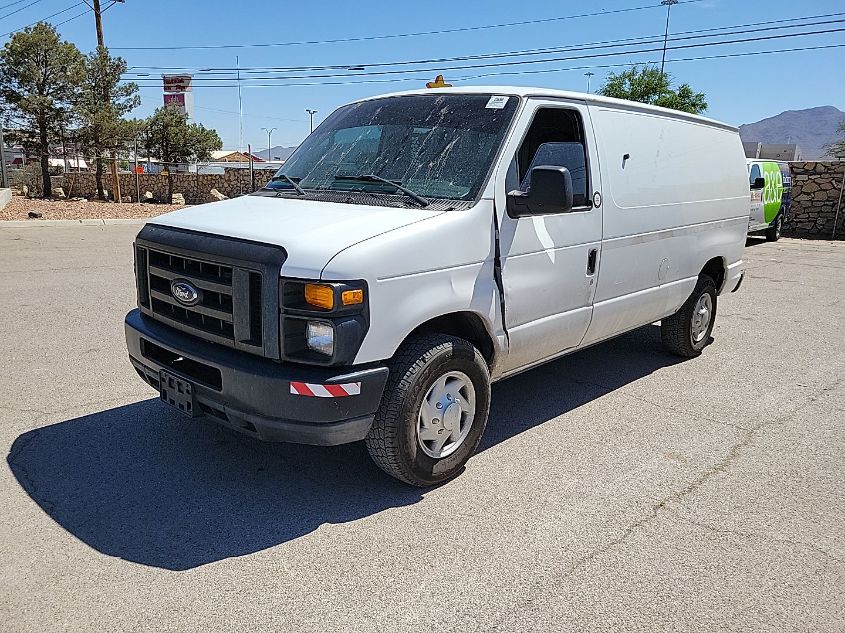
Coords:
419,246
771,190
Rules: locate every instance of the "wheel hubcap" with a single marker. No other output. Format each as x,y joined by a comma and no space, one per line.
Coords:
701,317
446,415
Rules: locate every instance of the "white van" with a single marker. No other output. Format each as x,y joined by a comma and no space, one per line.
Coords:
771,190
418,247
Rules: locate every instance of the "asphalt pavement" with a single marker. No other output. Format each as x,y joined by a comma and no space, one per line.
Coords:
615,489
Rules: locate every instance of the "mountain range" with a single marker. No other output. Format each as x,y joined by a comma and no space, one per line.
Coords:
811,129
278,152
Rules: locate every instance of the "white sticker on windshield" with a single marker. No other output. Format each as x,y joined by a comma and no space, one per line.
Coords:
497,102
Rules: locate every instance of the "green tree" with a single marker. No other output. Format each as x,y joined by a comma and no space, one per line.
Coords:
103,102
40,77
170,138
649,85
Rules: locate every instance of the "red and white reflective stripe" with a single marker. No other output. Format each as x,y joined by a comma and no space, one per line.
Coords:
325,391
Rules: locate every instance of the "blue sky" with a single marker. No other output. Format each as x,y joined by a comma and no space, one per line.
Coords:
739,90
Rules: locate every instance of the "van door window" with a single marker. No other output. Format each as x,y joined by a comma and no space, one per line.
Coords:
754,174
556,137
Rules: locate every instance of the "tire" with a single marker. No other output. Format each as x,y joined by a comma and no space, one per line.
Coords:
424,367
774,231
681,333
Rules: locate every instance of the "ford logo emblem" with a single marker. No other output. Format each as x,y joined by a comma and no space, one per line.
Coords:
185,292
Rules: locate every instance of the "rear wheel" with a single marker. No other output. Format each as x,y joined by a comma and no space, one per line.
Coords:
433,411
687,332
774,231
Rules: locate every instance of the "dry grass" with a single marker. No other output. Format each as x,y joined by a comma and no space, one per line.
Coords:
19,207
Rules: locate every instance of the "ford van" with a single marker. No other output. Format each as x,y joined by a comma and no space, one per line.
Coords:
771,184
417,247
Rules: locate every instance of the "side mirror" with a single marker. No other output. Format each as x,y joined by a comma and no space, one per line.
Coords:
759,183
550,192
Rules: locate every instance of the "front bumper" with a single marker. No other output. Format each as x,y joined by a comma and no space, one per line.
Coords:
253,394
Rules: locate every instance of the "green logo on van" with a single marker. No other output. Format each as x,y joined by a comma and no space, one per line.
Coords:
773,191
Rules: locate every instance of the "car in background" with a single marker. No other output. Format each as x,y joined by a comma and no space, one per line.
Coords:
771,184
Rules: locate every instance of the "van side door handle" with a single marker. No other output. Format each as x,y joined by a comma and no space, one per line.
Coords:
591,261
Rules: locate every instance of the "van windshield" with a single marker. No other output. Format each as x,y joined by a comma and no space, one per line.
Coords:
437,146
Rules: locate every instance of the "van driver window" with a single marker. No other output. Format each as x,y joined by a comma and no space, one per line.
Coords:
556,138
755,174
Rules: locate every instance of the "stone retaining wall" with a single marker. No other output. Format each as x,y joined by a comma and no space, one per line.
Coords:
195,188
815,194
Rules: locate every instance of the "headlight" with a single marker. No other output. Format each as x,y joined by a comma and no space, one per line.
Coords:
320,337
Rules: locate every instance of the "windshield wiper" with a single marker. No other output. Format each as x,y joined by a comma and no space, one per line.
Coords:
290,180
374,178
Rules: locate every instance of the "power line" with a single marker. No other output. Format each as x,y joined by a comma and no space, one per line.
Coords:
11,4
680,59
251,116
78,15
422,78
687,35
526,62
397,35
73,6
26,6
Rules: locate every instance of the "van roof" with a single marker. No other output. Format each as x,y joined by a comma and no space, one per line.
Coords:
522,91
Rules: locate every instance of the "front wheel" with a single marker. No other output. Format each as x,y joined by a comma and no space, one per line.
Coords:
774,231
687,332
433,411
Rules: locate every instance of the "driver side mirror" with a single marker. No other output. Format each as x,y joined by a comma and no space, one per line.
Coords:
550,192
759,183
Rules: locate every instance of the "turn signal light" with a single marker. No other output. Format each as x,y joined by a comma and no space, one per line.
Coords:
319,296
352,297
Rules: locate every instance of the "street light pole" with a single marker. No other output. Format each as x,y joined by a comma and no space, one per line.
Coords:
589,76
269,142
668,4
312,113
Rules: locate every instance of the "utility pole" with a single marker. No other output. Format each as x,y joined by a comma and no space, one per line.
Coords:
240,107
589,76
668,4
269,143
312,113
98,20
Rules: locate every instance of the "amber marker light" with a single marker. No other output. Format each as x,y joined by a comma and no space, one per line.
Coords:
319,296
352,297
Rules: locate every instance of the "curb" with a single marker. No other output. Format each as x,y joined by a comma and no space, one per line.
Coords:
20,224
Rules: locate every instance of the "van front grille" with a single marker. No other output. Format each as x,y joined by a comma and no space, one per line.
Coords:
220,289
214,315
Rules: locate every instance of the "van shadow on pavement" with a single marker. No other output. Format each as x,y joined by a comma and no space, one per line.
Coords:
140,483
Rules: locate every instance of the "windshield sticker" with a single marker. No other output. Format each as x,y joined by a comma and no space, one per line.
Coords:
497,102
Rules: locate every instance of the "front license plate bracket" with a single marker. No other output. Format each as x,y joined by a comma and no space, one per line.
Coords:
178,393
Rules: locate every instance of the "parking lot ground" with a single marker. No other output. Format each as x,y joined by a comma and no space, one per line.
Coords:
615,489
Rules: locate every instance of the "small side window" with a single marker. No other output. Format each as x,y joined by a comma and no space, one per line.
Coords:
754,174
556,137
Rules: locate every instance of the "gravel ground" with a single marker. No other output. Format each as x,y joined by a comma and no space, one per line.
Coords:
18,208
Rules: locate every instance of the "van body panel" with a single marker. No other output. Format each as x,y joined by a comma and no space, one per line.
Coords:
676,196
